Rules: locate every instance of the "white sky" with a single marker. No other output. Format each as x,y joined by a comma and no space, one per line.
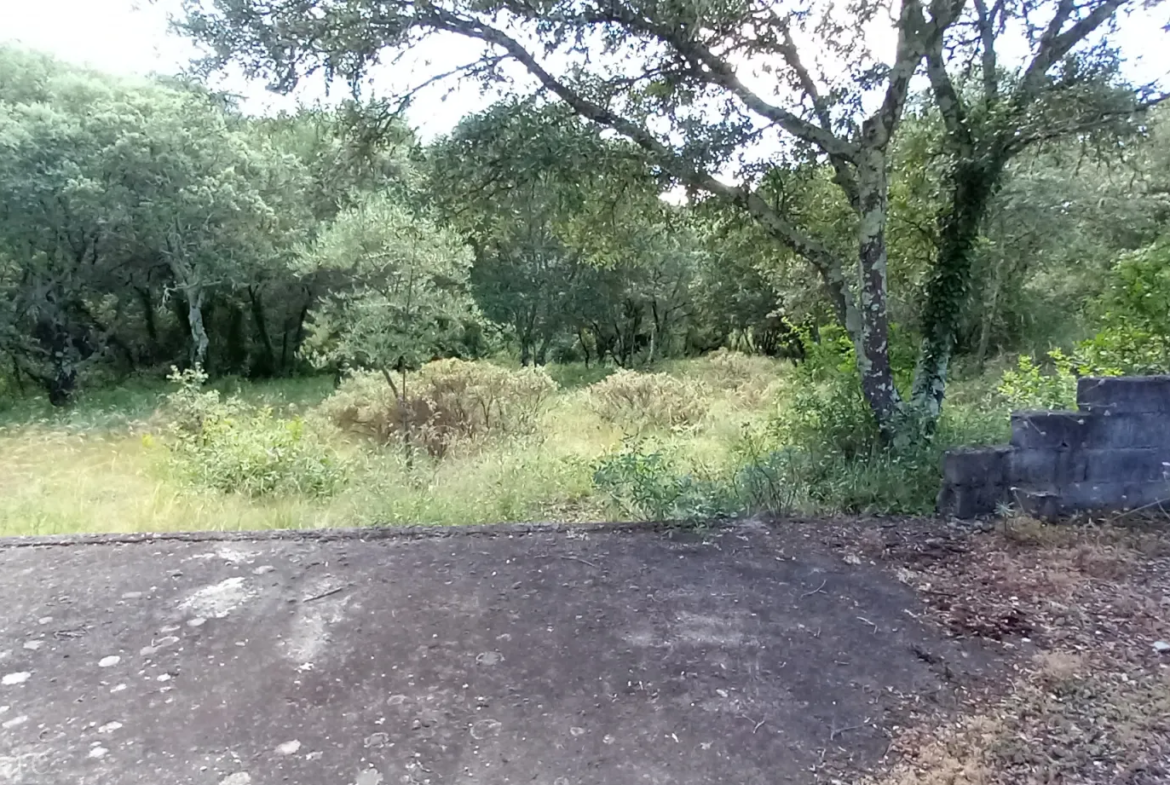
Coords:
131,37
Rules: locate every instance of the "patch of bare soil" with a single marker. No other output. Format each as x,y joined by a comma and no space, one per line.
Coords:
1085,613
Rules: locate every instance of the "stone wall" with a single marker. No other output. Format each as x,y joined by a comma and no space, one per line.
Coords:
1112,454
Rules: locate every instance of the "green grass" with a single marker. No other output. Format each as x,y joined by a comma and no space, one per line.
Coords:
103,464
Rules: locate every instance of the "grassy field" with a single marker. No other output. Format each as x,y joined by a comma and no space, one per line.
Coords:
106,464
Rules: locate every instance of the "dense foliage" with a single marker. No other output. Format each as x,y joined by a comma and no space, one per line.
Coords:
151,224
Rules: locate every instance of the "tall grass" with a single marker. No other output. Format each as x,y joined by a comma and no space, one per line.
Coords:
103,465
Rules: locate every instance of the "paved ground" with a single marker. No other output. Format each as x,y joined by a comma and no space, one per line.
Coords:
750,655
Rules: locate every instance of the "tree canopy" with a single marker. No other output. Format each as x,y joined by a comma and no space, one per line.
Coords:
719,96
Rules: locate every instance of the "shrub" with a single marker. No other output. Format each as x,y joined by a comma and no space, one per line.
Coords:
228,446
749,381
829,454
1029,387
637,401
448,402
644,485
830,416
482,398
1122,349
735,369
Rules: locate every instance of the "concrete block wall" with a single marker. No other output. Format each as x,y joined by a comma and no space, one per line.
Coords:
1111,454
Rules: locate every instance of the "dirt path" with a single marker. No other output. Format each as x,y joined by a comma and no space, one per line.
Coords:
1082,615
747,655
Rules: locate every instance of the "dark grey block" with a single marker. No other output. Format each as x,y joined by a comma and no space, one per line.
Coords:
1044,505
976,465
1044,468
1112,496
1089,430
1048,430
971,501
1127,431
1053,468
1125,465
1134,394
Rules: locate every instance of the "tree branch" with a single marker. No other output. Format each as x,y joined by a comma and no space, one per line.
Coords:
844,175
1055,44
946,97
916,37
720,73
826,263
986,22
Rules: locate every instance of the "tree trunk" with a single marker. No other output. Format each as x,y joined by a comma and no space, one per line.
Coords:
987,318
971,187
267,365
871,335
584,345
17,376
235,344
542,350
199,339
299,338
148,319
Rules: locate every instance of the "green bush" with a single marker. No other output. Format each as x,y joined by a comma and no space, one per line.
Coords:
1133,317
449,402
1029,387
644,485
639,401
229,446
830,456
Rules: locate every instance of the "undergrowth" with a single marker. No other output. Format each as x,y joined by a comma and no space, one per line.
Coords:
723,435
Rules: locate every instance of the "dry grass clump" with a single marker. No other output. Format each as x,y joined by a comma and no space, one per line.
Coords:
448,402
638,401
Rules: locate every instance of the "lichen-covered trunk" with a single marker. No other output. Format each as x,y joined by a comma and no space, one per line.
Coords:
870,328
187,283
970,188
199,339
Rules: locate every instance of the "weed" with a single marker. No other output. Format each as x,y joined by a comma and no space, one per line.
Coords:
551,455
643,401
644,485
234,447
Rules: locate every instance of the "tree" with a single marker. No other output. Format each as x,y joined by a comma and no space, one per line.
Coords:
497,180
558,216
406,302
123,196
991,110
665,77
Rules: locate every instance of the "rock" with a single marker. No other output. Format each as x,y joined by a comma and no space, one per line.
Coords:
1162,647
483,729
11,679
288,748
376,740
109,662
369,777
